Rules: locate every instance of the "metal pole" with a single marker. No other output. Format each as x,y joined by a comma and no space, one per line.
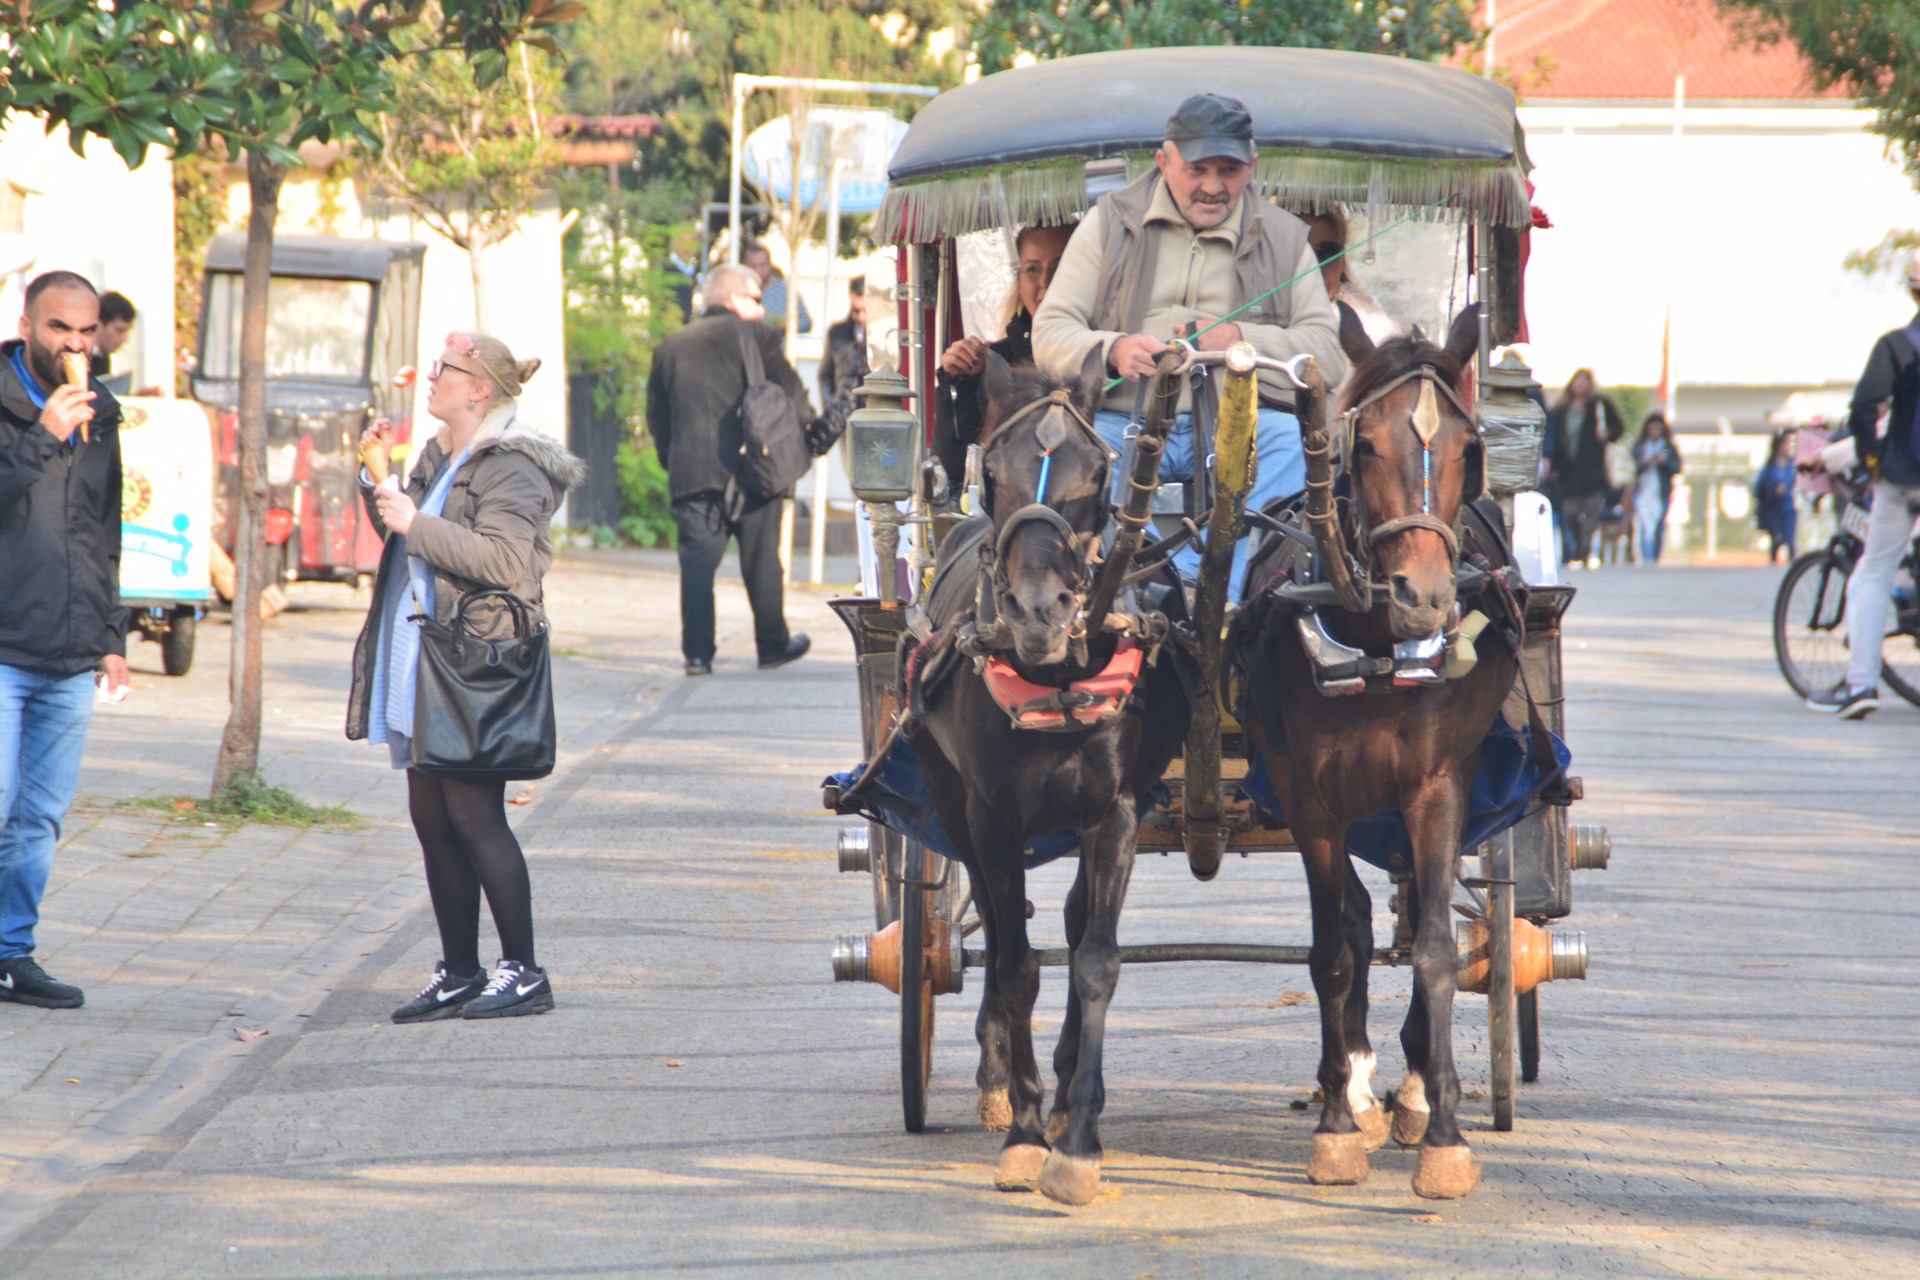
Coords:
817,526
742,86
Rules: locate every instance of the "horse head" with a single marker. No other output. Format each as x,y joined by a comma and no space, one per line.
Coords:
1414,458
1044,477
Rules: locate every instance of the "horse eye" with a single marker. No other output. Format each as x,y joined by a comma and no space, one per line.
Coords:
1363,447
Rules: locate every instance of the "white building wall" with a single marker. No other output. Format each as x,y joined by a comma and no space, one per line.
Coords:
1741,222
93,215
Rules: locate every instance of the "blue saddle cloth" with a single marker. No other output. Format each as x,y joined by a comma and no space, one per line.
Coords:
1505,787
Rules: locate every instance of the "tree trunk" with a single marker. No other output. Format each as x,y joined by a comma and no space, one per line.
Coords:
477,260
240,744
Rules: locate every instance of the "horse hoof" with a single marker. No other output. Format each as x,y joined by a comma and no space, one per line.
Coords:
1071,1180
1445,1173
1019,1168
1056,1126
996,1110
1338,1160
1409,1126
1373,1126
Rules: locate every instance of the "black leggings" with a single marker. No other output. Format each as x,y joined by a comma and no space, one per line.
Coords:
469,847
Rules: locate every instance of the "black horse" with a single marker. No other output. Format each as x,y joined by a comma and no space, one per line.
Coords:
1413,465
1094,749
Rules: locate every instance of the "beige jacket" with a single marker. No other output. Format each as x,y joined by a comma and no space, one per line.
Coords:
1135,265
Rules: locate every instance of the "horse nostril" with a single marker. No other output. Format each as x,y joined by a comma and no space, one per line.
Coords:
1010,605
1403,589
1065,600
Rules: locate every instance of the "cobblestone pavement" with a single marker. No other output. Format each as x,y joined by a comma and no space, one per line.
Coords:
1730,1094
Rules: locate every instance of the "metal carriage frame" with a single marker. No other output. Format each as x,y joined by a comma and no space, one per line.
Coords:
1334,130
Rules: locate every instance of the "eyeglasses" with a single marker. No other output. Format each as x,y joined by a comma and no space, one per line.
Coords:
441,366
1327,250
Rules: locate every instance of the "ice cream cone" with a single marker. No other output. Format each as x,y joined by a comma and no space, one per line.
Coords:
74,365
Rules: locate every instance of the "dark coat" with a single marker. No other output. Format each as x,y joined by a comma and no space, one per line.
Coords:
492,535
699,375
1893,371
1580,465
960,403
60,605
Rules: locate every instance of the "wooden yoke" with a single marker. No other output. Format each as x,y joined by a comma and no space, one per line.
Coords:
1134,513
1235,440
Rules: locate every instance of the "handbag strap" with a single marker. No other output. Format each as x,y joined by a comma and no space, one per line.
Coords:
521,611
750,354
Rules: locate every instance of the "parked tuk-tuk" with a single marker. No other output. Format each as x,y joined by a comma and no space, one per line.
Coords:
343,323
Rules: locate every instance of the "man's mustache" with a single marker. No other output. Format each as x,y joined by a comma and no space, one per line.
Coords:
1200,197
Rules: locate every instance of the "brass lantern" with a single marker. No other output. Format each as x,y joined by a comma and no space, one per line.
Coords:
883,440
1513,425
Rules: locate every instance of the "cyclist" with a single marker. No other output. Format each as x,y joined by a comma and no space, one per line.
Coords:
1893,371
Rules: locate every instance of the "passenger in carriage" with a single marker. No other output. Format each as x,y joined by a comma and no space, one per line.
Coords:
960,402
1171,254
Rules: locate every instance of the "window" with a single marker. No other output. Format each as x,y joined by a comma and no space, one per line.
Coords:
315,328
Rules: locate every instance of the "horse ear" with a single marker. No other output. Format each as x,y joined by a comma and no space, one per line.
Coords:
999,381
1463,335
1354,342
1091,386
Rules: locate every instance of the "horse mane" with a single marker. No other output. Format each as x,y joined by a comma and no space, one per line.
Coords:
1395,357
1027,382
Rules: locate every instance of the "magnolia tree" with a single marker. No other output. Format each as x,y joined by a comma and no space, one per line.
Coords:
255,79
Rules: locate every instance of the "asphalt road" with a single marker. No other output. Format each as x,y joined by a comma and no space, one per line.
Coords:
1731,1093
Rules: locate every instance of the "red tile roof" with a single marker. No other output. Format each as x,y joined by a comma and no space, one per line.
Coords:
1633,49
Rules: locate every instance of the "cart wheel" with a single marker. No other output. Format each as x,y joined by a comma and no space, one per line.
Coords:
1500,1004
916,990
176,646
1529,1020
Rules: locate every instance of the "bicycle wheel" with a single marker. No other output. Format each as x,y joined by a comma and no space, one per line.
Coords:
1900,651
1809,624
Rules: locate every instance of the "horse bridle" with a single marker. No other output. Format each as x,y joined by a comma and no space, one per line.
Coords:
1051,434
1424,421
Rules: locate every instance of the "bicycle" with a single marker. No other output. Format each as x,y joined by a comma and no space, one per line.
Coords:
1809,613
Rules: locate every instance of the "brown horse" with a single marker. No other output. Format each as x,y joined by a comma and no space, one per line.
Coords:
1413,462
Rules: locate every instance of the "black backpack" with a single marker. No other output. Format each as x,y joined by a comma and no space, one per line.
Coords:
773,450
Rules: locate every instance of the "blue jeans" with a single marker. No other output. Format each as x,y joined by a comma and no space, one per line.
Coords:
1282,471
43,730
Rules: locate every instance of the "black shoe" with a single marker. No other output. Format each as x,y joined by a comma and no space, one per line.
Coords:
1848,705
441,998
23,981
796,649
515,990
699,666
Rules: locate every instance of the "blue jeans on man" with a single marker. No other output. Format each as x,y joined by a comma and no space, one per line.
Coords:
1282,471
43,730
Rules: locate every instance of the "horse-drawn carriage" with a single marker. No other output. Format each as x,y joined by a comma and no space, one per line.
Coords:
1425,168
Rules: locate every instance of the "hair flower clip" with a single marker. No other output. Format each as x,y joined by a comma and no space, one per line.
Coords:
460,342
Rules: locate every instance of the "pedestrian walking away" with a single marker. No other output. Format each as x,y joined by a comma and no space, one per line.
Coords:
60,613
694,398
1892,373
844,366
471,518
1171,255
1656,460
1579,428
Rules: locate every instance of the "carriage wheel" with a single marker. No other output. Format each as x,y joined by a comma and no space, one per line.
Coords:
916,989
1529,1019
1500,1002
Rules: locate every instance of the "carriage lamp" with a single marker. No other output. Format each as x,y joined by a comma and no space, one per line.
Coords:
1513,424
883,441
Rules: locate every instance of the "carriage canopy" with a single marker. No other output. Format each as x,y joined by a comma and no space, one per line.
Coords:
1333,128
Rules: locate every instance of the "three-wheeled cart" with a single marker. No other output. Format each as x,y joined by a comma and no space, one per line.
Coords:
1427,168
343,324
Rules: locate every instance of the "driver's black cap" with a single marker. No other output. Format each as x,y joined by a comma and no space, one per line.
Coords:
1208,126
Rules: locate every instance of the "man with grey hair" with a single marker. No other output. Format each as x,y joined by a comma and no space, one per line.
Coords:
1172,255
699,376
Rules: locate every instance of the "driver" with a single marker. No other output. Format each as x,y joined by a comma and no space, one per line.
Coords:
1169,255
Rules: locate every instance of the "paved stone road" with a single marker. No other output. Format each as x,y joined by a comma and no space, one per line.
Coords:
1732,1093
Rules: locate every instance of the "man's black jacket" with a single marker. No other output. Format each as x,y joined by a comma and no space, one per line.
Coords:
1893,370
59,534
699,374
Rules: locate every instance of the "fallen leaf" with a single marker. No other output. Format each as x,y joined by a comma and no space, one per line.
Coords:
1288,999
673,1062
249,1033
1298,1104
73,1079
525,797
1426,1217
186,804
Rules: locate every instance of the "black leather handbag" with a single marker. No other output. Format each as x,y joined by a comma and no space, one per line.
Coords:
483,709
773,449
